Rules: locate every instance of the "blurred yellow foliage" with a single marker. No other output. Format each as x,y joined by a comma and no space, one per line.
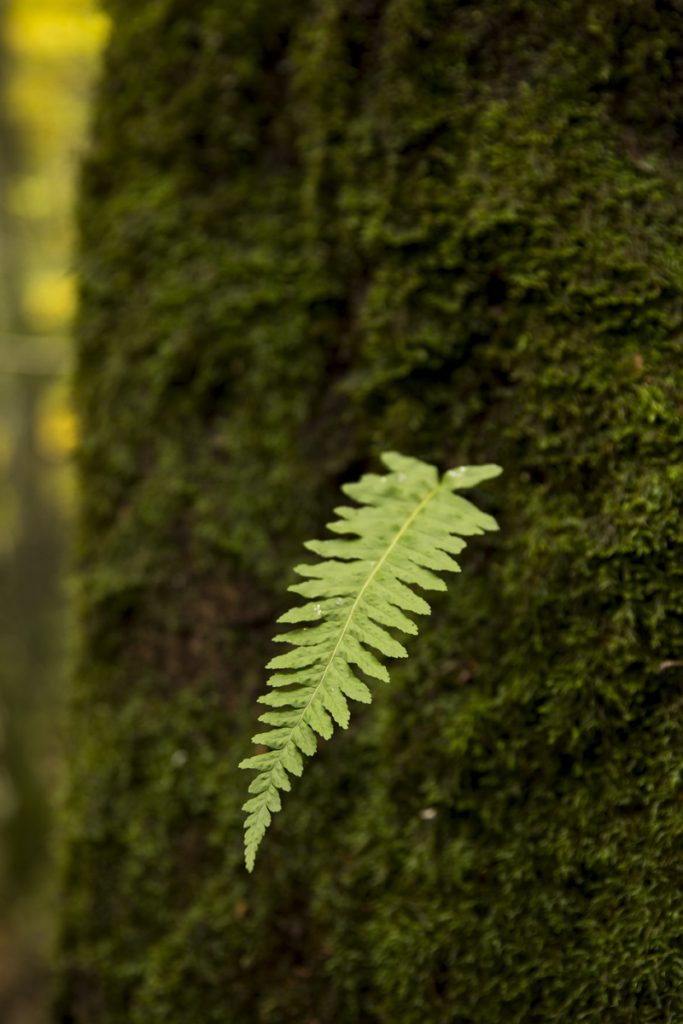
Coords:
52,29
49,298
54,45
48,58
56,428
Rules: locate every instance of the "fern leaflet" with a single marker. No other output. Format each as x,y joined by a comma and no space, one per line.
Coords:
406,528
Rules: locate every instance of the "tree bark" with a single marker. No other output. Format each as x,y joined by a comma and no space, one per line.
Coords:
312,232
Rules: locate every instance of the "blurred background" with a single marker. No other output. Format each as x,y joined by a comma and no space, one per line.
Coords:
48,60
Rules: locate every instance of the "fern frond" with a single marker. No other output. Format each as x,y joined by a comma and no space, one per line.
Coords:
406,528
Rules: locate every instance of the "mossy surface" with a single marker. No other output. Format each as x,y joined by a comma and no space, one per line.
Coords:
312,232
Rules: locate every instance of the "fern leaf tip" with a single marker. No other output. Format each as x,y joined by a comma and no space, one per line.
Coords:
462,477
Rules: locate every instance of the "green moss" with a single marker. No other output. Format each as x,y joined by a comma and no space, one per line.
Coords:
311,232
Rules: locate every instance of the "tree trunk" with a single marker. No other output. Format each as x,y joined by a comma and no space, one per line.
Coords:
312,232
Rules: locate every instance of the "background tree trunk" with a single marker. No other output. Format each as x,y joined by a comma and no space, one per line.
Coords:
312,232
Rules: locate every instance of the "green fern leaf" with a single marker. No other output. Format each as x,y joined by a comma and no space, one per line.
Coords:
406,528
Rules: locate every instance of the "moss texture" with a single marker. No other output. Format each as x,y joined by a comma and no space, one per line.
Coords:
311,232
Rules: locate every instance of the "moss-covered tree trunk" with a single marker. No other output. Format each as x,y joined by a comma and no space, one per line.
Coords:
312,231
